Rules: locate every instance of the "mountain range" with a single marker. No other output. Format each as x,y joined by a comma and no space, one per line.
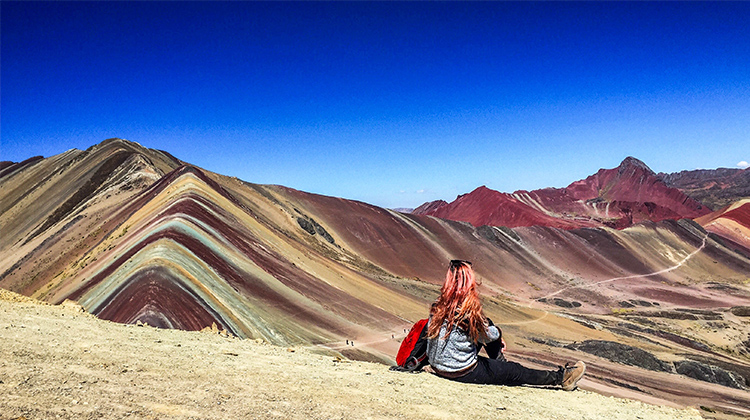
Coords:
617,198
626,269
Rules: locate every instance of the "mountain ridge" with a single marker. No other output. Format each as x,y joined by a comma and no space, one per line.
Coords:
716,188
618,197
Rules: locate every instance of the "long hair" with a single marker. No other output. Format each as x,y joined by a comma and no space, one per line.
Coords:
458,304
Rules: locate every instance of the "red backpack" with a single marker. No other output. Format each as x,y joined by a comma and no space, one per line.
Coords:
412,355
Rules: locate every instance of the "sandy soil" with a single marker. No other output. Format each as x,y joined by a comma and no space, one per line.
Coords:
59,362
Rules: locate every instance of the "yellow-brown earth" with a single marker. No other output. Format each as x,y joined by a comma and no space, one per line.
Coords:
60,362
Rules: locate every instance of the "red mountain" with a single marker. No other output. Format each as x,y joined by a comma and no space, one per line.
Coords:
429,206
617,197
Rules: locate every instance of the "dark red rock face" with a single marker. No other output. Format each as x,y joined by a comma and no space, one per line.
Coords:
634,182
484,206
740,215
619,197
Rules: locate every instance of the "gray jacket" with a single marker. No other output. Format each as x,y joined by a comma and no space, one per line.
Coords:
457,352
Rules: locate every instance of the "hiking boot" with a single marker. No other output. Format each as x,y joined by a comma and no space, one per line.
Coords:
572,374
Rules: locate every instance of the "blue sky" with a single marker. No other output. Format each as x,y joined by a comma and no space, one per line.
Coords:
393,104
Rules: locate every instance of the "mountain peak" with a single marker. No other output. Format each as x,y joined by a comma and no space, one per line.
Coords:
631,162
429,207
618,197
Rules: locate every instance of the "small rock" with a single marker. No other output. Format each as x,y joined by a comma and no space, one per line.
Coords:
740,310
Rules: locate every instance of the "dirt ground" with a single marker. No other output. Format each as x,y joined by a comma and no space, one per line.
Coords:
57,362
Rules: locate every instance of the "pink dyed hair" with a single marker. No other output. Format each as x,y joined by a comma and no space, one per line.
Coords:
458,303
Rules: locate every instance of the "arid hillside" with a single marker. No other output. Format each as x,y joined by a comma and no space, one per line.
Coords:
659,310
59,362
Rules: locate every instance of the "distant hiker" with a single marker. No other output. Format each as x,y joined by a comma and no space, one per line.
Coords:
457,329
347,342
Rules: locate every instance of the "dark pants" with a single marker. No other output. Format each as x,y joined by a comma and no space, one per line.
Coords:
499,372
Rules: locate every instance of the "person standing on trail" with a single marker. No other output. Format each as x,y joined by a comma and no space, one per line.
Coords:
457,329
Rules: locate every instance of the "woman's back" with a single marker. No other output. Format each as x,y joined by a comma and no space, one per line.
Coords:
458,351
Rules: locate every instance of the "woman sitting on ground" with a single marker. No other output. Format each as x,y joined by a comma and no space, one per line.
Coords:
456,330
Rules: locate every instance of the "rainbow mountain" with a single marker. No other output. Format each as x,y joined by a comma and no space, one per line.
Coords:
136,235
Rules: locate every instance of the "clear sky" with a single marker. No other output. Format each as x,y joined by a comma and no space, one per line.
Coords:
393,104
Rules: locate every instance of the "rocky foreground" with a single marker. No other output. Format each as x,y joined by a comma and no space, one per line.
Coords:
60,362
